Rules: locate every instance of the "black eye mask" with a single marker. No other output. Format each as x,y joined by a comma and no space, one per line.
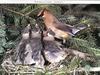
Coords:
41,13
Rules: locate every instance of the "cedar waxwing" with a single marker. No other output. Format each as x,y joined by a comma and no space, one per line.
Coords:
61,30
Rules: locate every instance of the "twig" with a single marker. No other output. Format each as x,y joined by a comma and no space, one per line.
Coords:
82,55
4,68
18,13
92,69
3,7
23,72
74,72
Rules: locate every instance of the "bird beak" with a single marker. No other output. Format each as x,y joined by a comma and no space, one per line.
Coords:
39,17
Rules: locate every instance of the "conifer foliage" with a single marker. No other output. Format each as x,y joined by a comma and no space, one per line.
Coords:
82,50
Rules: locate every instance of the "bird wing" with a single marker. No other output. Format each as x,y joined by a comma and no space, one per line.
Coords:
68,28
64,27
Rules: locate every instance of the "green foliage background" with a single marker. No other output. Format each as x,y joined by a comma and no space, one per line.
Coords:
13,19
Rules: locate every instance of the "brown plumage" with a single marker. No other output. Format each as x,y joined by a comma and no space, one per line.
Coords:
61,30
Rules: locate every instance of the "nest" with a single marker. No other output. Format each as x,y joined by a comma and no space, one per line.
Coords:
30,55
36,52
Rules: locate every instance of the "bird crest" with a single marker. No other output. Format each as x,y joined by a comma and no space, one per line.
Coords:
41,13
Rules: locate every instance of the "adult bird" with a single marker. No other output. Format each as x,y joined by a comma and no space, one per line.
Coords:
58,29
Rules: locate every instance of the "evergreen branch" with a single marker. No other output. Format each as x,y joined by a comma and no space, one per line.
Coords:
82,55
89,13
18,13
15,12
26,9
92,69
41,6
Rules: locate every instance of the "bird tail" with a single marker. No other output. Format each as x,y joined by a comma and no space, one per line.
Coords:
76,30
